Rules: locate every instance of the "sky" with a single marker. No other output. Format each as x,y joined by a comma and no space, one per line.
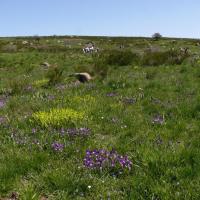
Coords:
171,18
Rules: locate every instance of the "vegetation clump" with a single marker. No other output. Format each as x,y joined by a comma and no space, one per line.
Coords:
170,57
54,75
57,117
120,57
102,159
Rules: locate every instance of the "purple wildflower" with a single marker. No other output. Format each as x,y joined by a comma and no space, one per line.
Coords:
78,131
100,159
57,146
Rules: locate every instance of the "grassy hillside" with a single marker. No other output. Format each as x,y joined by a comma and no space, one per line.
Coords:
133,132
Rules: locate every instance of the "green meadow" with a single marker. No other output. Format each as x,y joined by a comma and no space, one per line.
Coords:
131,133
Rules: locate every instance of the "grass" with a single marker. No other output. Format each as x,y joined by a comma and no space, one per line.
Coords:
119,108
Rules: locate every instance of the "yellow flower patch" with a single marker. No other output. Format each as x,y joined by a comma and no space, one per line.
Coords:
58,117
40,83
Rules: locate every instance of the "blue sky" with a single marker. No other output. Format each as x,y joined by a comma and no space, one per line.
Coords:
172,18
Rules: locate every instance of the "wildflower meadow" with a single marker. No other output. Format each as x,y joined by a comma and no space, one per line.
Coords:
132,132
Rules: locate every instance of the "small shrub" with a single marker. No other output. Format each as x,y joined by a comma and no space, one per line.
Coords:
112,57
29,69
54,75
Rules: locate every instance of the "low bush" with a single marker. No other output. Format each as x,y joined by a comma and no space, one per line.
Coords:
54,75
103,60
120,58
170,57
116,57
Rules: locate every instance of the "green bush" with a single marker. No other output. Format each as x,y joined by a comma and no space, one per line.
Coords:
116,57
120,58
54,75
170,57
112,57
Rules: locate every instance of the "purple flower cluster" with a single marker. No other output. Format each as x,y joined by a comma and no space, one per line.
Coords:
76,131
100,159
57,146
